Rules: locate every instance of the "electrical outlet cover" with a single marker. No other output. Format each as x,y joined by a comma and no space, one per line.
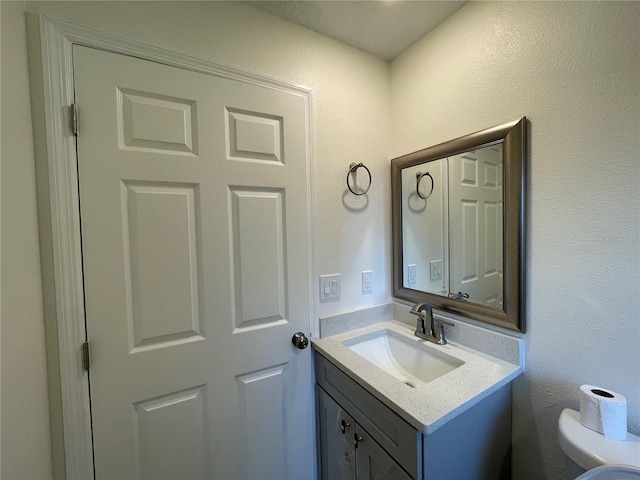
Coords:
435,268
411,274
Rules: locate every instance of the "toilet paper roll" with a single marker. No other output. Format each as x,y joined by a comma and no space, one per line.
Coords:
603,411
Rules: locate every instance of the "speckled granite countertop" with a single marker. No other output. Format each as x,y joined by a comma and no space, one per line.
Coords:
429,407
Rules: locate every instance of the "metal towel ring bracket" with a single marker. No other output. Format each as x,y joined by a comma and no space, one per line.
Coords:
352,169
419,177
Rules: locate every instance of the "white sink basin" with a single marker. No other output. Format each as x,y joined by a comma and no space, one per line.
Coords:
410,361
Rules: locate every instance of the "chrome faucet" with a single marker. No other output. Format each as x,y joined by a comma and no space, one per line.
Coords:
436,325
421,310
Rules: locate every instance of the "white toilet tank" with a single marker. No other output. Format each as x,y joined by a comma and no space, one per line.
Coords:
587,450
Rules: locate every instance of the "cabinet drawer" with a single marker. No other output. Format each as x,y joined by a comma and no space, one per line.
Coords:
397,437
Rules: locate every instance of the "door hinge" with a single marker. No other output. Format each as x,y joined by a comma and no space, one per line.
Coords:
73,118
86,359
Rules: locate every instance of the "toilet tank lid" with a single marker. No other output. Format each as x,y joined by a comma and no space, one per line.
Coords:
591,449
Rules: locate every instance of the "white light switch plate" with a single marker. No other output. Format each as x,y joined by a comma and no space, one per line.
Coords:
329,286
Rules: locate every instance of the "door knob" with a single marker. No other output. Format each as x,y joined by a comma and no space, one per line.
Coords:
357,438
300,340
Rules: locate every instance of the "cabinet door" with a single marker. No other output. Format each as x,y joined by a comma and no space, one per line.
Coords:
373,463
337,450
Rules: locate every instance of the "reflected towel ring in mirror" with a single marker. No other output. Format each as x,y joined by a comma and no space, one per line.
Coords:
419,177
352,169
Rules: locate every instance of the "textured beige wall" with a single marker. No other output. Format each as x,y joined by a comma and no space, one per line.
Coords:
573,69
25,444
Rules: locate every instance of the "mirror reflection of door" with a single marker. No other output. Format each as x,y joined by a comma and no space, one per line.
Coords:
475,222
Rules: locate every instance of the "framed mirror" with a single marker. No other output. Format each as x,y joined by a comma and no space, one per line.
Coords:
458,225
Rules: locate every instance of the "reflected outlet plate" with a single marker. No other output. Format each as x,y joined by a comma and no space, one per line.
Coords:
436,270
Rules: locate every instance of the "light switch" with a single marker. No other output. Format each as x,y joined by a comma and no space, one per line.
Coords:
329,287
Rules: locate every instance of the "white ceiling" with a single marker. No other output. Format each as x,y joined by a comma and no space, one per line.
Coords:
384,28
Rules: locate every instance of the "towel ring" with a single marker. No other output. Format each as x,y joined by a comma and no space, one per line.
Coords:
419,177
352,169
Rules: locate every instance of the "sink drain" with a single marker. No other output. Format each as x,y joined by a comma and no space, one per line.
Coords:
411,384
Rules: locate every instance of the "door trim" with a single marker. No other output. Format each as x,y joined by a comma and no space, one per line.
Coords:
65,319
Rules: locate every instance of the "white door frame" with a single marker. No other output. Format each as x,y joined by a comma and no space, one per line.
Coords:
56,40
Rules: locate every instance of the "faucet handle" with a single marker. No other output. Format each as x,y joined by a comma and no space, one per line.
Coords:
440,323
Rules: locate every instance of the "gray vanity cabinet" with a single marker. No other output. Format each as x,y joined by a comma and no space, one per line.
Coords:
379,444
373,463
347,451
387,446
336,429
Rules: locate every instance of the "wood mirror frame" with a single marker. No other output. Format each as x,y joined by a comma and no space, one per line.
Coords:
513,137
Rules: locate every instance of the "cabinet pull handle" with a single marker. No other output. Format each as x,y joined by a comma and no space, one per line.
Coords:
357,438
344,425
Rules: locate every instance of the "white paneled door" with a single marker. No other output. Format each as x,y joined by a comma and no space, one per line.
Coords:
194,217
